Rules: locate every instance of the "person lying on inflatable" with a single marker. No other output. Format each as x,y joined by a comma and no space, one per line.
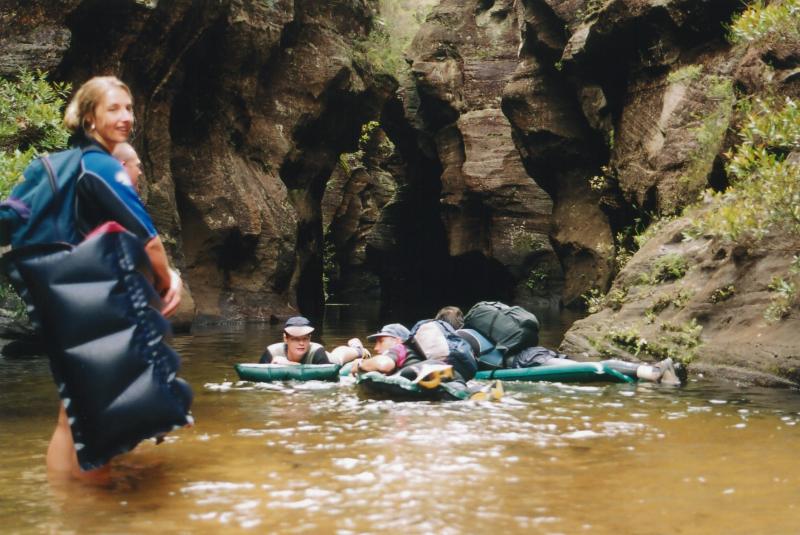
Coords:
391,353
410,373
297,347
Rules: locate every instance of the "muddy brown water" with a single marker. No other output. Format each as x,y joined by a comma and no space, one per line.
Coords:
318,458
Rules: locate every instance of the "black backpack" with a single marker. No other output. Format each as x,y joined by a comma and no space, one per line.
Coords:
510,328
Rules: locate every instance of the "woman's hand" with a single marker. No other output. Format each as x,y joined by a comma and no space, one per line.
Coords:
172,296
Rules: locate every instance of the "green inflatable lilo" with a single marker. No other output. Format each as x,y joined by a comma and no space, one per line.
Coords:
422,382
583,372
267,373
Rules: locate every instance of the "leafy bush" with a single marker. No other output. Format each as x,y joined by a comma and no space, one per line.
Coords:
722,294
596,301
30,123
679,342
628,339
392,32
709,133
537,279
778,21
765,185
784,295
666,268
687,73
677,299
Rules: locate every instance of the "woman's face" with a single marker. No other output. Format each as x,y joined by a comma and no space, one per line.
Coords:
112,118
296,346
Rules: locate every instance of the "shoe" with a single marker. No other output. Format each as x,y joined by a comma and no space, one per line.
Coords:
431,376
682,372
669,374
493,391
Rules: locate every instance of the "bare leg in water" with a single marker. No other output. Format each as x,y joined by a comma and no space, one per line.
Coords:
62,460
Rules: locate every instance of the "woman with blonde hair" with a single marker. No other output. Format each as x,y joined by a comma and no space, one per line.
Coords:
100,117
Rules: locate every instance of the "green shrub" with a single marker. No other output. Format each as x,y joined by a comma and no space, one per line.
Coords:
537,279
593,300
722,294
525,241
709,133
765,185
760,23
596,301
678,342
784,294
391,33
628,339
666,268
30,123
687,73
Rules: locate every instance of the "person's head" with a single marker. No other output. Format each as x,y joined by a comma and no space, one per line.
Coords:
297,337
451,315
103,110
390,335
126,154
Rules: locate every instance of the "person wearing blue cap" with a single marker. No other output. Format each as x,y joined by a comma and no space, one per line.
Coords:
391,353
297,347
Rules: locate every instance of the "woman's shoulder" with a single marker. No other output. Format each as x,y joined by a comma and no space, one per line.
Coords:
102,164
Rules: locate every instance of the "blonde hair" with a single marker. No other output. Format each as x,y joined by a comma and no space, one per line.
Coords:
86,100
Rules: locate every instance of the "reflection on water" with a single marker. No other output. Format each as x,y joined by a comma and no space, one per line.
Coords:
316,457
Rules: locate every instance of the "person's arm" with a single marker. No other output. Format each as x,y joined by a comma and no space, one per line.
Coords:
379,363
167,282
344,354
266,357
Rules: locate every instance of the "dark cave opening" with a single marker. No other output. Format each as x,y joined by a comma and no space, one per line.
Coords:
235,251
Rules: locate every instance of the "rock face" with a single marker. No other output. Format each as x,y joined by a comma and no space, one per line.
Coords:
561,141
357,193
33,35
713,316
668,103
496,217
243,108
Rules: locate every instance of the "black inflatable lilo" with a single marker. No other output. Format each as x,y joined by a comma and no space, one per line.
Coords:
104,333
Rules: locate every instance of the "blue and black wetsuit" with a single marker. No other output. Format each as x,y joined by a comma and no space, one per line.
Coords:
105,193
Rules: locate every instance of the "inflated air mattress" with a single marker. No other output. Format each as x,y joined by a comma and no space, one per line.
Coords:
266,373
583,372
106,340
426,381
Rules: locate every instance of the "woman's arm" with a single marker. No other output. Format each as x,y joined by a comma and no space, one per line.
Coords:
167,282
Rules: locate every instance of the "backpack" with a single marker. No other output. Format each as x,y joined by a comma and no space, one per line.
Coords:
41,208
489,357
437,340
511,328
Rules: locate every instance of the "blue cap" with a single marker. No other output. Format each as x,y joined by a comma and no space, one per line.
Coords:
393,329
